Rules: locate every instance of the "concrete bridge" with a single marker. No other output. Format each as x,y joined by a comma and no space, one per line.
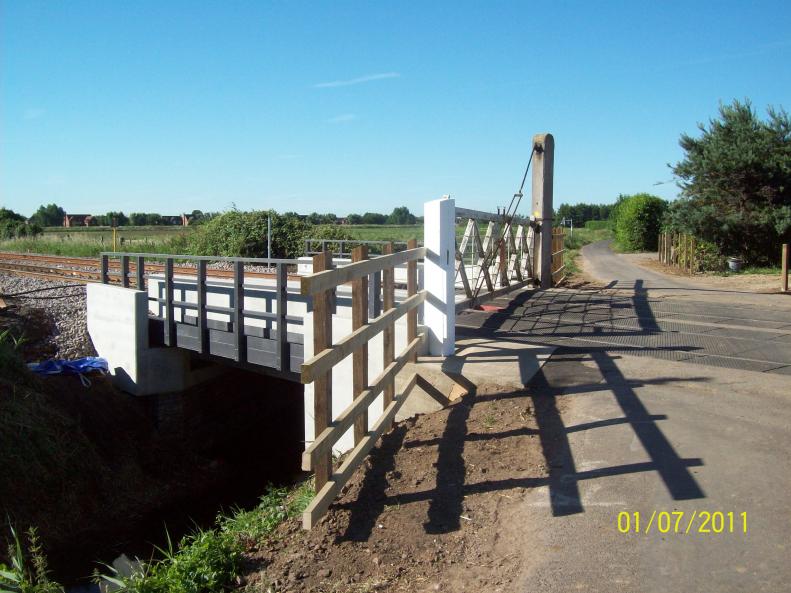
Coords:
328,323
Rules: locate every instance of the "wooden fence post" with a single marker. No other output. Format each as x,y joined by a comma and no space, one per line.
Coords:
411,289
322,386
360,356
388,345
784,268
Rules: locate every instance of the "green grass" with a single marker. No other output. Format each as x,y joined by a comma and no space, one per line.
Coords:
204,561
385,232
761,270
210,560
28,571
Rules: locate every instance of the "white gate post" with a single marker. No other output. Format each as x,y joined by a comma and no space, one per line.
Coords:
439,238
543,165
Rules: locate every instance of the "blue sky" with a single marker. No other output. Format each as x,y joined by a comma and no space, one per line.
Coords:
348,107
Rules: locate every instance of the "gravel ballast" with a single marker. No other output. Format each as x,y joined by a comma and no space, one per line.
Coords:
62,303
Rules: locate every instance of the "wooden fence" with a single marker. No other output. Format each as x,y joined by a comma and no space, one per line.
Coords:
558,255
678,250
321,285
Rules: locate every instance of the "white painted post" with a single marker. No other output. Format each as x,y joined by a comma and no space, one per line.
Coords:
439,237
543,165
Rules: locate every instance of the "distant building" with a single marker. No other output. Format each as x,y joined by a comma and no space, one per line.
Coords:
70,220
177,220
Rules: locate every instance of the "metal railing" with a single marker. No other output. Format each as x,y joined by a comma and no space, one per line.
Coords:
194,271
499,261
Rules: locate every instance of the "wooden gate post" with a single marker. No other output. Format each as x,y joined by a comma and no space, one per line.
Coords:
322,386
784,268
411,289
543,172
388,337
360,356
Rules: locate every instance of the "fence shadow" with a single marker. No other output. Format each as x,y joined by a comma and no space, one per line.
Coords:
544,391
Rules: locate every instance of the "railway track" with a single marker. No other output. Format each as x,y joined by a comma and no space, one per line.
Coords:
86,270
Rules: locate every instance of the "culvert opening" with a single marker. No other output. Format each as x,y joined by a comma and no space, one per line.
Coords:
216,447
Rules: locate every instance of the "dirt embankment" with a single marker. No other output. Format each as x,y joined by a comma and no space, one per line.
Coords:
99,472
430,512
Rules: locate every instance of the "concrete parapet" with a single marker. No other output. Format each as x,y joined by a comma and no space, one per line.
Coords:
118,327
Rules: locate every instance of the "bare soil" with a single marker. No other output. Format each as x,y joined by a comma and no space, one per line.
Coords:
431,510
758,283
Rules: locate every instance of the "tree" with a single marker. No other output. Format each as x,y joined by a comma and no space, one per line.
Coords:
354,219
581,213
49,215
14,226
735,180
401,215
638,220
374,218
107,219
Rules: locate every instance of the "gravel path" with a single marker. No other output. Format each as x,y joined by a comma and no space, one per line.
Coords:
61,303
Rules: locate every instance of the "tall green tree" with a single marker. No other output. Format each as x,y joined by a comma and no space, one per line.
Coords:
401,215
49,215
735,180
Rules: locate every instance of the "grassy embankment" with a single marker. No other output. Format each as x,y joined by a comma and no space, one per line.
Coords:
41,444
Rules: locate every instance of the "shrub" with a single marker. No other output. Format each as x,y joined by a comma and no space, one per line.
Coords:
638,219
244,234
708,257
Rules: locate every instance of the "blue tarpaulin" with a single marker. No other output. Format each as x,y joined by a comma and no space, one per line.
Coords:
79,366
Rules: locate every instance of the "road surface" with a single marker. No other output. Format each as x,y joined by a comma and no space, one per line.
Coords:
672,402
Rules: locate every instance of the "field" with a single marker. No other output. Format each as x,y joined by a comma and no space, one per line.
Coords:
90,241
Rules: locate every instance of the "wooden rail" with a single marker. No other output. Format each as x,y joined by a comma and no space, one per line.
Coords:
678,250
318,370
558,268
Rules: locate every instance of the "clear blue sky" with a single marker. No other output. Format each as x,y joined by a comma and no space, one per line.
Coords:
345,107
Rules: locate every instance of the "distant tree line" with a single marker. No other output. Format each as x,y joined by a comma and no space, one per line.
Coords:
52,215
582,213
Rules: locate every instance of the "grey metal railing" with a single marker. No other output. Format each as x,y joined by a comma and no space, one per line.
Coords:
236,312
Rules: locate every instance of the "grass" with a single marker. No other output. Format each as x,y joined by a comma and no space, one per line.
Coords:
761,270
28,571
580,238
205,561
210,560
